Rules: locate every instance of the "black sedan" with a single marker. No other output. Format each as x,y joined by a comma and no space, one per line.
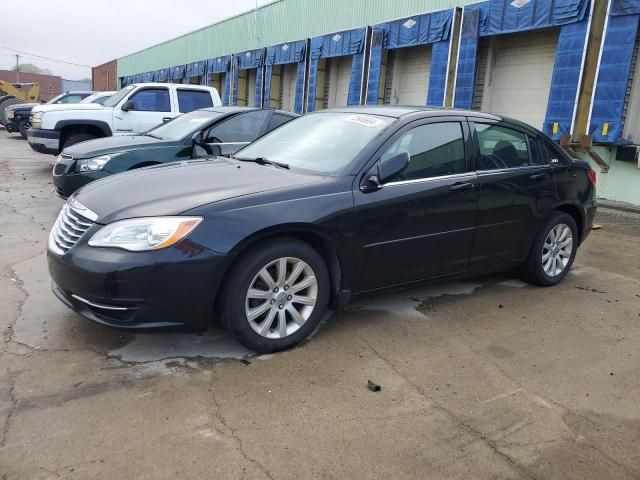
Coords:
332,205
201,133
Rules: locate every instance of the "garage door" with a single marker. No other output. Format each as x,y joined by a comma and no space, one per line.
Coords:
251,91
287,101
339,75
410,76
519,75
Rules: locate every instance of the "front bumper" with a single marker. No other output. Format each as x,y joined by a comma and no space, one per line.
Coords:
44,141
69,182
174,287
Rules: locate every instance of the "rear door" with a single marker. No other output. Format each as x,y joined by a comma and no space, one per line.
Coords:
420,224
517,189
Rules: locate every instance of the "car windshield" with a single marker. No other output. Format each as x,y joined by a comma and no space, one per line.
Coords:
184,125
55,99
322,143
119,95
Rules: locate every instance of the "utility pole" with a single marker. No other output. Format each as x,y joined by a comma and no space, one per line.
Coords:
17,68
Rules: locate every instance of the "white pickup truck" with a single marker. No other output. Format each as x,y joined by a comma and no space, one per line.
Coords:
133,110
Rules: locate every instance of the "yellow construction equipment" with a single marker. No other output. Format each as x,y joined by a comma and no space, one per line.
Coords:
28,92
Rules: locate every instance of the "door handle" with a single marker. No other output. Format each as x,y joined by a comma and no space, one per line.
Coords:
457,187
538,176
165,119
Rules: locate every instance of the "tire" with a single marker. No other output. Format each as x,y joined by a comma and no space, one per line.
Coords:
23,127
77,138
234,305
539,268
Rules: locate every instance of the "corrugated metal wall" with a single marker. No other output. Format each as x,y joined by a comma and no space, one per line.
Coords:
276,22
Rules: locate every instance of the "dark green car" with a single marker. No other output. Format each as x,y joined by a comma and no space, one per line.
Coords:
201,133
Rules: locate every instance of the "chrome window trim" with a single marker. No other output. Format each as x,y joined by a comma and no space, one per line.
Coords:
430,179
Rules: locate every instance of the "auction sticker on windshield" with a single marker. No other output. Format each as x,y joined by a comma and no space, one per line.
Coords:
365,120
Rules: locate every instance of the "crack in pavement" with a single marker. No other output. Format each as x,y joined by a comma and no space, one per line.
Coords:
12,411
219,416
468,427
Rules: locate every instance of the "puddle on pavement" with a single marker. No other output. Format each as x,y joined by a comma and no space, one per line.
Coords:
153,346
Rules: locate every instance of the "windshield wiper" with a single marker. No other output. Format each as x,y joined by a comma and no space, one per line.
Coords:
152,136
263,161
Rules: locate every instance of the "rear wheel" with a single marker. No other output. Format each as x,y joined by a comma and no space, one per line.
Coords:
23,127
77,138
276,295
553,251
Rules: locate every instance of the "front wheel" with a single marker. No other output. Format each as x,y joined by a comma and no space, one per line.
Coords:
553,251
23,127
276,295
77,138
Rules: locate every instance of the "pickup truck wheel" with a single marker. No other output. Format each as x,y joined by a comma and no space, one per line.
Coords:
23,127
77,138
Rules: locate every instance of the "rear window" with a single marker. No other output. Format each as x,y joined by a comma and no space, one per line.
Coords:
190,100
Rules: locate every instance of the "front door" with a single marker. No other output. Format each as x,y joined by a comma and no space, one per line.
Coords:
420,224
517,188
151,107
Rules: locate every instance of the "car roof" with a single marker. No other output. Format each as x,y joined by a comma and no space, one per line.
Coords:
402,111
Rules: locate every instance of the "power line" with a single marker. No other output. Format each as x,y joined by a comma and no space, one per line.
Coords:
45,58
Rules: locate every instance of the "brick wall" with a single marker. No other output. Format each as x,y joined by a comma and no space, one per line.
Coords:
50,85
104,76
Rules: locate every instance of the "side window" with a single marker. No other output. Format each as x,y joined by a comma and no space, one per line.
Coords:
190,100
151,100
501,147
243,127
434,149
278,119
537,155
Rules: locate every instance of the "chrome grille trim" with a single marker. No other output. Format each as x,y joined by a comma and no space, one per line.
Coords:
73,221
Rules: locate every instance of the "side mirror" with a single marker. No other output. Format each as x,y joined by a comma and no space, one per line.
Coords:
128,105
385,171
198,138
390,167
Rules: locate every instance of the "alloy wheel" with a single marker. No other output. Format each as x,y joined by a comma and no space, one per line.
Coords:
557,250
281,297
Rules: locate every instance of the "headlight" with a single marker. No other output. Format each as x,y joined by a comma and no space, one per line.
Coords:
36,120
92,164
143,234
11,114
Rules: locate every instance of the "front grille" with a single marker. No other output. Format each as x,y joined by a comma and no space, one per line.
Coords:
72,222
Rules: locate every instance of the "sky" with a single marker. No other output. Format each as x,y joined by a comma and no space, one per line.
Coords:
92,32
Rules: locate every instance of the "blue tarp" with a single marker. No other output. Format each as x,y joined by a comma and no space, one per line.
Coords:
196,69
177,72
246,61
349,42
520,15
565,80
408,32
162,75
286,53
219,65
624,7
467,59
496,17
606,124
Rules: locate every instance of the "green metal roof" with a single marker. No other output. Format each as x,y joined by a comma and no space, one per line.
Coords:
277,22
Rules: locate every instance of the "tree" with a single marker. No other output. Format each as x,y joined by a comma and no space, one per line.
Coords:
31,68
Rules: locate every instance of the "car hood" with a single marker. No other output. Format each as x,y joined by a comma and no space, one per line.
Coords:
103,146
67,106
21,106
176,187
